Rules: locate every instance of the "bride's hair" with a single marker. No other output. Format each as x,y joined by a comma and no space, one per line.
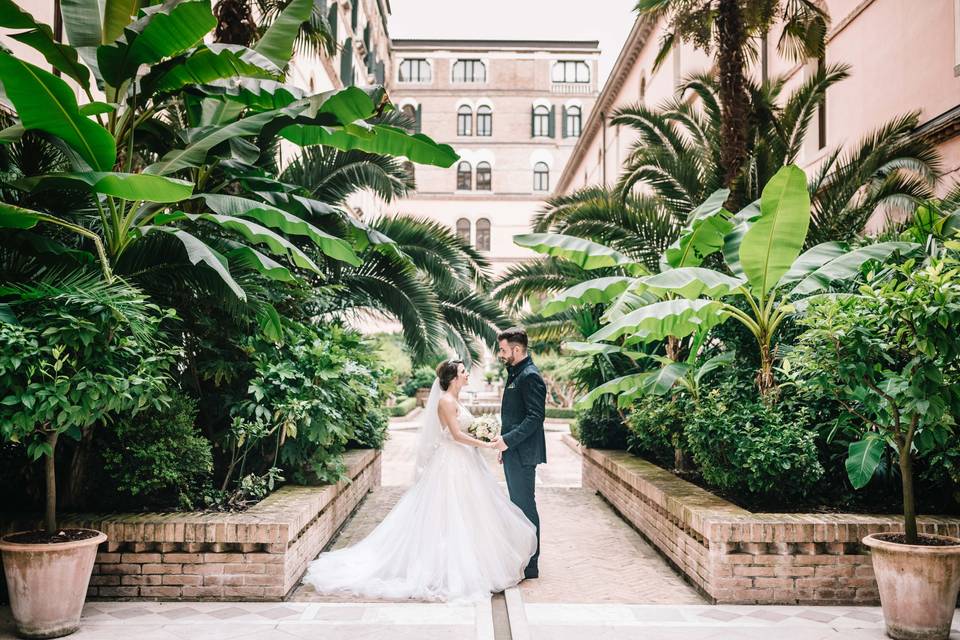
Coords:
447,371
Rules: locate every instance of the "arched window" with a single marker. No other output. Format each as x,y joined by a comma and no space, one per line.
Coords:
464,120
570,71
484,121
483,234
463,229
464,177
414,70
469,71
483,176
541,121
572,122
541,177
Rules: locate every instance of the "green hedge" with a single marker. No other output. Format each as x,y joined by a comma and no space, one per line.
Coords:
561,413
403,407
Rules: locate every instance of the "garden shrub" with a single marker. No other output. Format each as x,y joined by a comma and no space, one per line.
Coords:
561,413
422,377
750,448
403,407
159,458
601,427
656,428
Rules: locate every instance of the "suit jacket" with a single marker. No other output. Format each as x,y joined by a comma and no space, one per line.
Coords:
522,413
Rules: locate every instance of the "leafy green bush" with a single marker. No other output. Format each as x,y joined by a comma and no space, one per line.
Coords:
751,448
391,351
403,407
316,392
422,377
656,428
159,459
600,427
561,413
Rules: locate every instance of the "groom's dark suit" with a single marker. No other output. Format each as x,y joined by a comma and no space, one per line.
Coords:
521,414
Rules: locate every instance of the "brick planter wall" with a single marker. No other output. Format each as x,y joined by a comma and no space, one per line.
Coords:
734,556
259,554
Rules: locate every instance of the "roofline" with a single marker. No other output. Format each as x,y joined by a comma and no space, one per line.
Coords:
468,43
637,38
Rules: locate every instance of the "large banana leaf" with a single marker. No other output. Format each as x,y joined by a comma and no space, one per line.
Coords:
90,23
848,265
731,242
117,14
776,238
624,384
212,63
258,94
198,252
714,363
40,37
584,253
45,103
811,260
703,236
163,31
244,256
276,218
14,217
629,300
253,232
129,186
277,42
596,291
678,318
596,349
385,140
690,282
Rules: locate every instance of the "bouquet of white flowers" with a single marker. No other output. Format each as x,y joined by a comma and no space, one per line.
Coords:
485,428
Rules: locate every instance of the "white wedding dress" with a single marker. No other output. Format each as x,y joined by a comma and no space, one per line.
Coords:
454,536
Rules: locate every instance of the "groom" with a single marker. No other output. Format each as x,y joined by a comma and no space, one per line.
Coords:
522,444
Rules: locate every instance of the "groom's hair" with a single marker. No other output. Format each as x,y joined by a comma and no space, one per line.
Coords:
515,335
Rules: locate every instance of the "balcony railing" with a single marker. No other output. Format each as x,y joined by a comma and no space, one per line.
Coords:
570,87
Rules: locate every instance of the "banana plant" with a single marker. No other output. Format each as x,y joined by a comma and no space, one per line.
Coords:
765,271
181,123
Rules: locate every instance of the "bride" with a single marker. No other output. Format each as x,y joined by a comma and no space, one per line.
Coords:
453,536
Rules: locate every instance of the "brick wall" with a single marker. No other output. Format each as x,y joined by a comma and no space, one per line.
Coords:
259,554
734,556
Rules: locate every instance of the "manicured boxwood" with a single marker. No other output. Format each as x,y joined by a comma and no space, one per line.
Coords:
403,407
561,413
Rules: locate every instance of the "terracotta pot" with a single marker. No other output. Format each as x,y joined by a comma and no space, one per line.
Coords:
918,586
48,583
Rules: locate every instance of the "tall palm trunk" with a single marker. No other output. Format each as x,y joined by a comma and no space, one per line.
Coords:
735,102
235,23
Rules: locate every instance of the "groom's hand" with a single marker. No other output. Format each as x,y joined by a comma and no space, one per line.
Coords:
499,444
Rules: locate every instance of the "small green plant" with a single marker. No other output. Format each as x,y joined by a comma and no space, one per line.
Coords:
891,357
422,378
601,427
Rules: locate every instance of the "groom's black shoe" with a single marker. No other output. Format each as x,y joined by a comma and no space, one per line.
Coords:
530,574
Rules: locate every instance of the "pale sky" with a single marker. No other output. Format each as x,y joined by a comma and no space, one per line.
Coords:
608,21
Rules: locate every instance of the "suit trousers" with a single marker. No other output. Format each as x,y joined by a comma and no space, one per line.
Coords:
521,481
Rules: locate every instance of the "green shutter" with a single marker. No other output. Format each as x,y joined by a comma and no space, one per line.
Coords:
418,119
533,121
563,121
332,19
551,124
346,63
354,14
380,72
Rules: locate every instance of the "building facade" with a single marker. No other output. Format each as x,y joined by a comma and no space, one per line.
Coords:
512,109
889,76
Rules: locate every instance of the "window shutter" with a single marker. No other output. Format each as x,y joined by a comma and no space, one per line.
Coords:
551,124
346,62
354,14
380,72
533,121
332,19
418,119
366,37
563,122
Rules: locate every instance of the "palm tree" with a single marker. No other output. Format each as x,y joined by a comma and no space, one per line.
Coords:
237,23
677,154
732,27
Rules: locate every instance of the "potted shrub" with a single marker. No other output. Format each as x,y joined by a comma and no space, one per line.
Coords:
72,351
891,356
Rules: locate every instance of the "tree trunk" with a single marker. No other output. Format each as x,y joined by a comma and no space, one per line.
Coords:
765,380
672,348
909,508
235,23
734,100
50,516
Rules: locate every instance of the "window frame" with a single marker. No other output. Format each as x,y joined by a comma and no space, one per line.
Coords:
422,62
571,69
484,171
463,232
485,115
541,175
464,120
482,233
571,117
541,121
472,64
461,173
